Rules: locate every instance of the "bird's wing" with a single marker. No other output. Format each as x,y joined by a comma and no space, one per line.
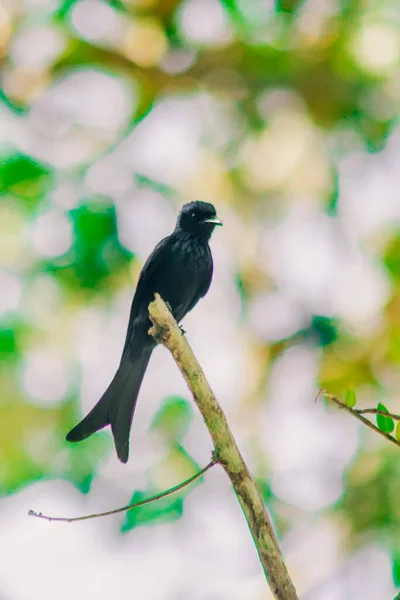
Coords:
164,272
207,281
156,262
204,287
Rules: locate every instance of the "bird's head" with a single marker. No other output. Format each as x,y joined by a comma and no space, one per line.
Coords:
198,218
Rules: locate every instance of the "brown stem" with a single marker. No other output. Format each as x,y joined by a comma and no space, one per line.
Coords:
129,506
376,411
357,415
166,331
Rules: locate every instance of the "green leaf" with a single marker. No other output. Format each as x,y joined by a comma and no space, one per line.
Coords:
174,418
169,508
288,6
65,8
350,397
231,7
25,178
183,462
385,424
324,328
12,104
13,333
33,442
376,133
163,189
160,511
332,204
396,570
8,343
397,433
392,256
83,459
370,500
265,489
96,253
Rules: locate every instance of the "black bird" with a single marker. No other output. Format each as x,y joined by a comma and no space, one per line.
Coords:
180,269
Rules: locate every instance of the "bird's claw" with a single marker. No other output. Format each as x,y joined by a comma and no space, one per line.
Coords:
170,310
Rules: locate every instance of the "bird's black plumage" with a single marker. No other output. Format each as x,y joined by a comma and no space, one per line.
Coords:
180,269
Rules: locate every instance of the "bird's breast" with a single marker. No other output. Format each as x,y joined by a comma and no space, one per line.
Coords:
190,269
194,258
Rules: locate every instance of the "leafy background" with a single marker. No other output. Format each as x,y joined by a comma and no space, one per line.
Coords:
285,115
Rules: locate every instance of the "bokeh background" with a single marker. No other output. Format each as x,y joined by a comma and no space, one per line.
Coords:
284,115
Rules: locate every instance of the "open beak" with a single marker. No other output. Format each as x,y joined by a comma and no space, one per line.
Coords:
213,220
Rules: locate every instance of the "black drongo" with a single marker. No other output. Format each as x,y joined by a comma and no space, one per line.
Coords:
180,269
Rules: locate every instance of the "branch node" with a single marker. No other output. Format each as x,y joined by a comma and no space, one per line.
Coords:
216,457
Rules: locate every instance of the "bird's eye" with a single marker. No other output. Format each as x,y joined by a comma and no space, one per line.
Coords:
193,216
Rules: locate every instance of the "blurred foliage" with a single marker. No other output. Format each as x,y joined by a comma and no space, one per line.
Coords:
96,253
164,510
24,178
173,419
33,443
171,507
326,65
370,504
9,348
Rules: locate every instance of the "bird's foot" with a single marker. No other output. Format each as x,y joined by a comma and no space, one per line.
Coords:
182,330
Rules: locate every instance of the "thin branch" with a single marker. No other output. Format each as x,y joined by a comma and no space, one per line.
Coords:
376,411
129,506
166,331
357,415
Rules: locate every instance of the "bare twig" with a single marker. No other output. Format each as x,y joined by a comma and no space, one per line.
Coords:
376,411
357,414
129,506
166,331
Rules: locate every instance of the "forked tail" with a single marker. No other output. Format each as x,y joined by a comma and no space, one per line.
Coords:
117,405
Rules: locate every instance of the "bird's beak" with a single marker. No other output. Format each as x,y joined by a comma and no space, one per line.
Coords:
213,220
